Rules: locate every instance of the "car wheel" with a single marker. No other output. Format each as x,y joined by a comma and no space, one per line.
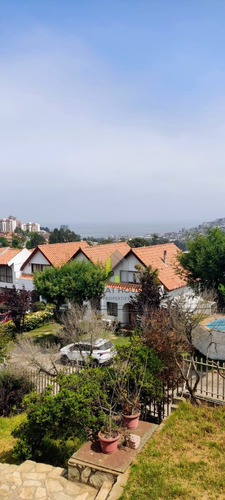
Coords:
64,359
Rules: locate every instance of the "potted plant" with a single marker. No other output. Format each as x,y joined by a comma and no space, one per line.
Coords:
109,436
133,378
131,414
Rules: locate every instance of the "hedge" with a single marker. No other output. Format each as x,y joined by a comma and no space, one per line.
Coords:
31,321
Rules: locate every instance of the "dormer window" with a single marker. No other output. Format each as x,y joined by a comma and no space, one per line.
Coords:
37,267
129,277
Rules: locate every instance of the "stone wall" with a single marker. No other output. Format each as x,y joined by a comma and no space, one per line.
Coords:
90,475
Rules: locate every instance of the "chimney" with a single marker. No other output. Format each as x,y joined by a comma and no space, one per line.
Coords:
165,257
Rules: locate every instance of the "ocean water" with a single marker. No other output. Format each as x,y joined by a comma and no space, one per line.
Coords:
105,230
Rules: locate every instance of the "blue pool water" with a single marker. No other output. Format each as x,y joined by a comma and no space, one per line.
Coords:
217,324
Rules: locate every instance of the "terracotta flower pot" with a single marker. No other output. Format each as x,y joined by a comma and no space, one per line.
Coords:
131,421
108,445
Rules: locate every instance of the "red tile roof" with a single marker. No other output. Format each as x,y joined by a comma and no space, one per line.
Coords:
168,273
131,287
26,276
7,254
99,254
58,254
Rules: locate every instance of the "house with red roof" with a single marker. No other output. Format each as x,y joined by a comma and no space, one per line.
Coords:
11,260
124,279
42,256
122,264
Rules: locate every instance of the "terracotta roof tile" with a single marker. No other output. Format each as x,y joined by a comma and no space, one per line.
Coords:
58,253
7,254
131,287
99,254
168,273
26,276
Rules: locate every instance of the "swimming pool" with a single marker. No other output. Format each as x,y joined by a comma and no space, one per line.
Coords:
217,324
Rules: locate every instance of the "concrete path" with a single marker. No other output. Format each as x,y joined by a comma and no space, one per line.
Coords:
36,481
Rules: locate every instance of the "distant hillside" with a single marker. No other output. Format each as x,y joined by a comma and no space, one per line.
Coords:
205,225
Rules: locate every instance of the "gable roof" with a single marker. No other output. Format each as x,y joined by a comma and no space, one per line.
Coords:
168,273
7,254
99,254
57,254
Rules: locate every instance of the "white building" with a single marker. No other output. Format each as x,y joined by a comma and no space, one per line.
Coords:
7,225
122,264
54,255
11,260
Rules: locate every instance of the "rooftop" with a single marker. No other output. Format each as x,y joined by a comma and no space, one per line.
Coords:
6,254
99,254
58,254
164,258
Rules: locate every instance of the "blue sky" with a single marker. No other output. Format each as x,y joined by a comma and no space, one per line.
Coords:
112,110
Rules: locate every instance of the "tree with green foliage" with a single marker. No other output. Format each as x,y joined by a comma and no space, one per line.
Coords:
63,236
158,240
182,245
3,242
35,239
16,242
75,281
137,371
138,242
204,263
149,296
13,387
58,424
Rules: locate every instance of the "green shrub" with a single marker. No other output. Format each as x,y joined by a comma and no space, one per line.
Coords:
13,387
38,306
31,321
37,319
5,339
8,328
61,422
57,425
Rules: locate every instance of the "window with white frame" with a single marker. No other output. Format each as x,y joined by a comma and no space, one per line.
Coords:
112,308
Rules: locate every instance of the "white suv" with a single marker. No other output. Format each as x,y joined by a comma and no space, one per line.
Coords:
102,352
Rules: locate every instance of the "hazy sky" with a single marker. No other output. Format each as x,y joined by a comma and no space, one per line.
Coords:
112,110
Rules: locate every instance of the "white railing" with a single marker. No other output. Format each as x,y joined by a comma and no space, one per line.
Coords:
211,383
41,380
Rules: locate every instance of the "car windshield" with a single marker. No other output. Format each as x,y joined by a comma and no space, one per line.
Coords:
106,345
81,347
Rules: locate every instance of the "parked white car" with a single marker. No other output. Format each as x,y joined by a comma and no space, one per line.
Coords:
102,352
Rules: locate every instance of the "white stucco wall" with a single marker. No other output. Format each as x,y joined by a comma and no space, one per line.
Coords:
127,264
24,282
80,256
18,261
38,258
121,298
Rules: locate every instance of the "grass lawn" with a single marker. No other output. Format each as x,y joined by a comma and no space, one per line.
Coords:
185,460
48,329
6,440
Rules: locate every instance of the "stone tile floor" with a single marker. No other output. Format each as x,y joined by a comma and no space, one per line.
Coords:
36,481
